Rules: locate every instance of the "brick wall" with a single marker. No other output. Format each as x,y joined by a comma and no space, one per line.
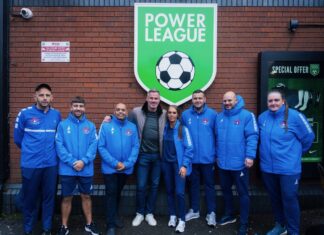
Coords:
101,67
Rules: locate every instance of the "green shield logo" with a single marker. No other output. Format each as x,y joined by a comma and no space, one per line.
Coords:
314,69
175,48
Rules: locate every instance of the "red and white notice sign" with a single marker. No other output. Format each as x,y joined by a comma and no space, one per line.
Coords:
55,51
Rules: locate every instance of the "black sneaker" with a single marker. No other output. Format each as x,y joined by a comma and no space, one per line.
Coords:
63,230
91,228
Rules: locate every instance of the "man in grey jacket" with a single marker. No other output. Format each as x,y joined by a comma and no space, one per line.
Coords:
150,120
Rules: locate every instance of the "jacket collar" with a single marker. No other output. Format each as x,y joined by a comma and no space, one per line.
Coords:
279,112
76,120
205,107
236,109
119,122
40,110
145,109
177,124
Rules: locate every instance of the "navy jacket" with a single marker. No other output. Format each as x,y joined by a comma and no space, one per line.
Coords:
184,147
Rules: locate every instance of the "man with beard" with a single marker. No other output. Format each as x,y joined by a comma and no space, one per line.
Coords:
200,120
34,134
237,140
76,145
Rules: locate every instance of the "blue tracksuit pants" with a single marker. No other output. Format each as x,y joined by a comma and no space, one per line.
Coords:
241,180
175,187
207,171
283,191
114,184
38,182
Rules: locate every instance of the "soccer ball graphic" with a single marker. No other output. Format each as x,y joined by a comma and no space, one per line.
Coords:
175,70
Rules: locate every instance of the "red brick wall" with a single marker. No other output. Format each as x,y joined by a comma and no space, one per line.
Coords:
101,67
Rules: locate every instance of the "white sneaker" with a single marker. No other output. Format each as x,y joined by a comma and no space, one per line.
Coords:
172,221
192,215
211,219
181,226
150,220
137,220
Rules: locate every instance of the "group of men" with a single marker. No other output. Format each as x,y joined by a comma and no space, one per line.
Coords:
124,140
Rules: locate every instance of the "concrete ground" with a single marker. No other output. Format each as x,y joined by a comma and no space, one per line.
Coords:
259,224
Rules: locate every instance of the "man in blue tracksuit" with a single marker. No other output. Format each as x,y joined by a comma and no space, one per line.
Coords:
118,146
200,120
34,134
237,140
76,146
285,135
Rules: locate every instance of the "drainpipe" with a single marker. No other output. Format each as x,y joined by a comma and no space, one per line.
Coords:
4,87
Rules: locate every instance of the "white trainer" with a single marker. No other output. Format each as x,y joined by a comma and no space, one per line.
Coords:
211,219
192,215
172,221
150,220
181,226
137,220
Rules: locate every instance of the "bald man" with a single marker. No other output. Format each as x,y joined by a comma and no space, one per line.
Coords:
237,139
118,146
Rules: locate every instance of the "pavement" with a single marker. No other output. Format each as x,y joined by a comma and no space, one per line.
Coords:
259,224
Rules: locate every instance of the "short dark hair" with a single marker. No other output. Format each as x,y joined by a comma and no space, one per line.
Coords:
43,85
78,99
198,91
153,90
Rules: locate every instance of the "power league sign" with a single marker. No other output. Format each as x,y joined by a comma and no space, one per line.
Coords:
175,48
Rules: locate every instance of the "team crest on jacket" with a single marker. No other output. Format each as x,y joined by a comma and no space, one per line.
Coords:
205,121
129,132
86,130
237,122
34,121
283,124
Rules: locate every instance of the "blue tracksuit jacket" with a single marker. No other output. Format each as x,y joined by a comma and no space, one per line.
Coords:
236,136
201,127
118,142
184,147
34,134
76,140
281,150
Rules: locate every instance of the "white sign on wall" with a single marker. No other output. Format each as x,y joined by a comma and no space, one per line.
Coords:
55,51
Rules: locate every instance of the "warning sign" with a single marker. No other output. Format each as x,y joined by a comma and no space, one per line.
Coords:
55,51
